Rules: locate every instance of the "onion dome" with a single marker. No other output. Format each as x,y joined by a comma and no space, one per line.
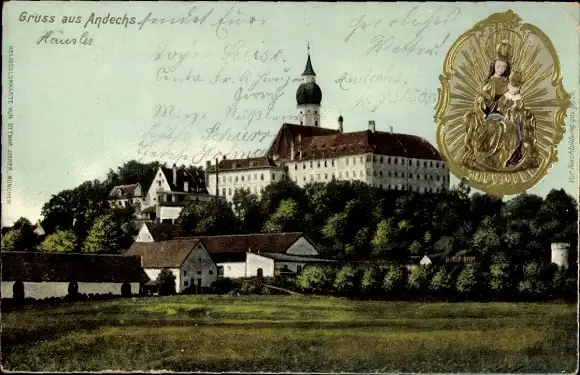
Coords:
309,92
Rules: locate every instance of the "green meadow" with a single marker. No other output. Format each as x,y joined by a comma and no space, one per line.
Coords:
291,334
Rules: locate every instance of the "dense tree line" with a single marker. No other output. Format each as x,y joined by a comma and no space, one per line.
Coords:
500,281
347,220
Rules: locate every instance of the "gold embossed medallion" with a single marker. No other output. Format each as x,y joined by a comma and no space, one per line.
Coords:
501,106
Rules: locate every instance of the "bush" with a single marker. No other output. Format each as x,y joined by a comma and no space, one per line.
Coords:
418,280
166,282
316,279
371,281
442,283
395,281
536,280
500,280
467,284
347,279
224,285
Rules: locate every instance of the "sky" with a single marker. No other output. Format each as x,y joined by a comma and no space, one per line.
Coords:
186,83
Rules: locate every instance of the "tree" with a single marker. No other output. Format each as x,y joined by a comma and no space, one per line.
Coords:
418,279
20,237
371,281
275,193
536,279
487,238
383,238
316,279
106,236
395,280
287,218
500,279
62,241
442,283
468,282
444,245
206,219
346,280
247,209
132,172
166,282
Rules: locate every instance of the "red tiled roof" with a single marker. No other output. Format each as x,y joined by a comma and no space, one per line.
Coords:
281,144
239,164
163,254
59,267
381,143
160,231
260,242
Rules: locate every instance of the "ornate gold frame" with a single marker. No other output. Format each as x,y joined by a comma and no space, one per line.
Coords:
490,182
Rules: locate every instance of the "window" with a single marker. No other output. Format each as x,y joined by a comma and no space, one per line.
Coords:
311,177
230,191
396,161
425,177
159,183
353,161
333,175
298,268
236,178
333,162
185,283
374,158
389,160
318,164
326,176
184,273
368,158
395,174
403,174
211,272
295,167
230,178
346,174
242,178
361,160
431,164
410,175
424,164
311,164
199,272
304,178
347,161
375,173
326,163
273,176
438,178
261,177
381,159
380,173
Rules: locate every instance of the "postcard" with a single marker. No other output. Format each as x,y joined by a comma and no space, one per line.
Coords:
290,187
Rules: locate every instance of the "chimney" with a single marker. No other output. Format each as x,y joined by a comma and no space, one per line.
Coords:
391,128
207,164
292,153
224,157
186,186
372,126
174,174
340,122
300,154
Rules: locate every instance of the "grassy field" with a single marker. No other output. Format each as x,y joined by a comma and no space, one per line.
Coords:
290,333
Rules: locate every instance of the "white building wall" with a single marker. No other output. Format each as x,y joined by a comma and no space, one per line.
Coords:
39,290
255,261
169,213
560,252
159,183
144,235
302,247
255,180
198,265
233,270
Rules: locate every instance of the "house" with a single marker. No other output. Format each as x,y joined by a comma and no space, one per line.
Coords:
126,195
261,254
42,275
186,258
172,189
308,152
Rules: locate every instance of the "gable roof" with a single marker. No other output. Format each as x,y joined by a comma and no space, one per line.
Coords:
281,144
160,231
59,267
164,254
123,191
377,142
196,181
255,243
260,162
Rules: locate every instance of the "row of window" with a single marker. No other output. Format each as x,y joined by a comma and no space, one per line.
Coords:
374,158
374,174
198,272
248,177
253,189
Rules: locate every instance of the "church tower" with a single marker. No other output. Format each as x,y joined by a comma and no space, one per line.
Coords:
308,97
